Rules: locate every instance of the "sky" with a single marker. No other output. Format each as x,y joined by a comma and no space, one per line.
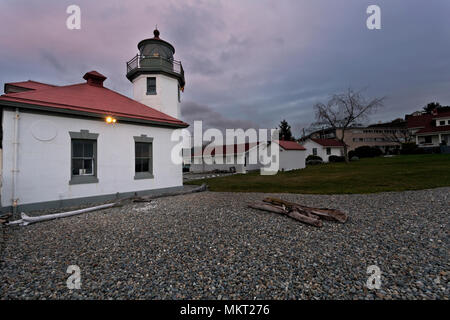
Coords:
248,63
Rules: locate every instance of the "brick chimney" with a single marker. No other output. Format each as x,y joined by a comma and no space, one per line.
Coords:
94,78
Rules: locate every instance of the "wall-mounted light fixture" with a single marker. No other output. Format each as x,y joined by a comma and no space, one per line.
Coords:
110,119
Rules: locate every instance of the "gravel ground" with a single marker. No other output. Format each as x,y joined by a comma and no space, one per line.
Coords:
210,246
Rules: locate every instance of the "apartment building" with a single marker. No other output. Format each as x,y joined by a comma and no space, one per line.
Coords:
385,136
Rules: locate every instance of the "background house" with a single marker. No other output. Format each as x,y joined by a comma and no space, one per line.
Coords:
236,158
385,136
323,148
430,130
232,158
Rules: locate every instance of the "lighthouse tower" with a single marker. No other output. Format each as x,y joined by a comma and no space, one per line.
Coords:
157,78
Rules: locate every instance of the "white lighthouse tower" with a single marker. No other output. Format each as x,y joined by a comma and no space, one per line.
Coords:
157,78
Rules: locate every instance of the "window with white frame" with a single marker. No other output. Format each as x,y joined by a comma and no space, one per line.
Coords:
83,157
143,157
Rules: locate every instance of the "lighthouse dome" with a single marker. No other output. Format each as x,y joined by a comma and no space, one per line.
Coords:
156,47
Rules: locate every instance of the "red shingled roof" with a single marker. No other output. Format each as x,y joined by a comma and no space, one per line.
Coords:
30,85
445,114
290,145
426,123
239,148
419,121
328,142
434,129
235,149
91,98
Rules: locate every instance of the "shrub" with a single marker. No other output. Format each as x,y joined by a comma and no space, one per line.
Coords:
313,162
354,158
334,158
411,148
313,157
366,152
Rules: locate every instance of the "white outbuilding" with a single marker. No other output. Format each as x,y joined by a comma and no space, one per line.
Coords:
292,155
236,158
323,148
84,143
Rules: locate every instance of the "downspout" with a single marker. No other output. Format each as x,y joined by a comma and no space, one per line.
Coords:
15,169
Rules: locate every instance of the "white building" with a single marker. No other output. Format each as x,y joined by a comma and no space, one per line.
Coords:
67,145
323,148
236,158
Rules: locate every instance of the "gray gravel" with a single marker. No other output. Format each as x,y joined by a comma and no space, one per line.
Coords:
210,246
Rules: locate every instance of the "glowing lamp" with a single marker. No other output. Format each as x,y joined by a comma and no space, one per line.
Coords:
111,120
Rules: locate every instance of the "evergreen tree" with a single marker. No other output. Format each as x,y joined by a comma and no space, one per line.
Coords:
285,131
431,106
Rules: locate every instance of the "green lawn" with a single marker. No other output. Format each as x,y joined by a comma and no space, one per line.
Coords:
409,172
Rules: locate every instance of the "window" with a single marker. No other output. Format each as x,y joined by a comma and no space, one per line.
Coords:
428,139
143,160
315,151
442,123
151,85
179,94
328,151
83,157
142,157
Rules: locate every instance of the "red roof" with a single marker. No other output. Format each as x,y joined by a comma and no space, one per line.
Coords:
442,115
235,149
30,85
240,148
290,145
328,142
91,97
426,123
419,121
434,129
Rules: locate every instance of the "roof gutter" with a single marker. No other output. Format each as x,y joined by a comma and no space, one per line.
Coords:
87,114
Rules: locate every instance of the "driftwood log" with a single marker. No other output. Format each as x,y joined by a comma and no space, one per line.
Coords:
150,198
308,215
293,214
322,213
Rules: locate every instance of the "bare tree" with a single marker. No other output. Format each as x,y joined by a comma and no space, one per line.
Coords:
343,111
399,136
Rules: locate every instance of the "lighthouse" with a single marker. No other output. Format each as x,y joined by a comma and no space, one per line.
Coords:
158,79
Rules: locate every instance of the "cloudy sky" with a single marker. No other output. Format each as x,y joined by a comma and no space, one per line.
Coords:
248,63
